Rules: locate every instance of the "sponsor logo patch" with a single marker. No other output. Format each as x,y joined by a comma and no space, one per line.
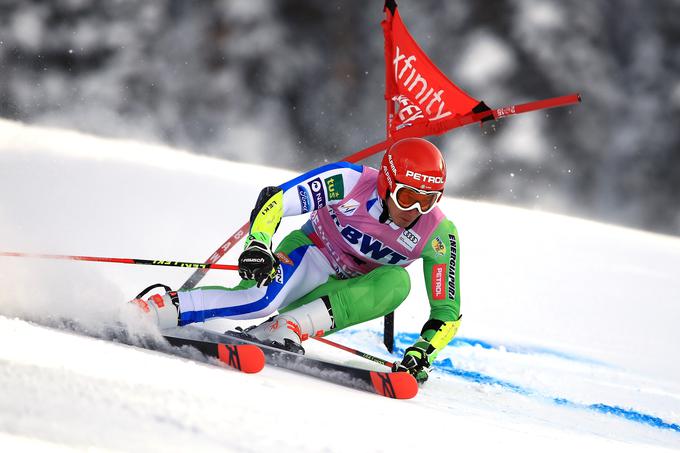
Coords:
438,246
409,239
408,111
285,259
335,188
267,208
433,101
252,260
348,208
317,193
304,199
370,247
438,271
452,267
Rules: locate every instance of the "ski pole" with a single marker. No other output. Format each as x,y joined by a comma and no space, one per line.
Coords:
356,352
229,267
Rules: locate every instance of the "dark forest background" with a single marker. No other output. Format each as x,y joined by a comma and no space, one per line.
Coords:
298,83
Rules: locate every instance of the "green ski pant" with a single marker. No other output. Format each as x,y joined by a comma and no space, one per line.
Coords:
353,300
357,299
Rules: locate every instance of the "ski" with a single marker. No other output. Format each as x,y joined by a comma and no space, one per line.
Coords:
398,385
248,358
241,357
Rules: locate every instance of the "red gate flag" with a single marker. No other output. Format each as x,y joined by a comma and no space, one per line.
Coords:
421,101
420,94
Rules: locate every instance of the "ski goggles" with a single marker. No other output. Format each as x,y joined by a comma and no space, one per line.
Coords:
408,198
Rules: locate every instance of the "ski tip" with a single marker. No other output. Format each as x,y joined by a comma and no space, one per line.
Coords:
248,358
255,358
399,385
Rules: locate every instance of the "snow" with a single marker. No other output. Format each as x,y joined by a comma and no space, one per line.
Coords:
521,140
486,59
569,336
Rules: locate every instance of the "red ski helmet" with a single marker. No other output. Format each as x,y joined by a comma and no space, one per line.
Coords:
414,162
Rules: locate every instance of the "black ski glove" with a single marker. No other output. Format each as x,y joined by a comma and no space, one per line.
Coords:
416,362
257,262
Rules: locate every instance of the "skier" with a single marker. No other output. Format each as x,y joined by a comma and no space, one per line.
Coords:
345,265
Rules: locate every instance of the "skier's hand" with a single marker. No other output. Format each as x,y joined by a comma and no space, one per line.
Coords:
416,362
257,262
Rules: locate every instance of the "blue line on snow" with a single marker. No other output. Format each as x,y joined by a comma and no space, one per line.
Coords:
446,366
634,416
457,342
628,414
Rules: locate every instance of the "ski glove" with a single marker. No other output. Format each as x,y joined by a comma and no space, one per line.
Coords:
416,361
257,262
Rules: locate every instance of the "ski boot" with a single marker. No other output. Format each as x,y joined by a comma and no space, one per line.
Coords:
288,330
161,310
278,331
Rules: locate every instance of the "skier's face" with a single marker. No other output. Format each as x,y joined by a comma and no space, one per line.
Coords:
401,218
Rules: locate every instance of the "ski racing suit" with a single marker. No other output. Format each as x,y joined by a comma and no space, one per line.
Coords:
345,254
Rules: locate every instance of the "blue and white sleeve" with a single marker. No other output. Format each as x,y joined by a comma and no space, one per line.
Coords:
326,185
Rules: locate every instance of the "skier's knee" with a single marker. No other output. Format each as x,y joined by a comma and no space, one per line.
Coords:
370,296
402,282
393,286
398,281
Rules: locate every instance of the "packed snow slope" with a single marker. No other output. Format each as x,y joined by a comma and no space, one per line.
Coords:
569,339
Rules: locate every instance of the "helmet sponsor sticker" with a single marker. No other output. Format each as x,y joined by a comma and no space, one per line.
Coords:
392,166
388,177
318,195
349,207
335,188
425,178
304,199
409,239
438,246
438,271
